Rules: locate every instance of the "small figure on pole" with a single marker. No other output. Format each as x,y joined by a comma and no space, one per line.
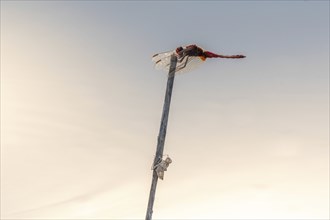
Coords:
161,167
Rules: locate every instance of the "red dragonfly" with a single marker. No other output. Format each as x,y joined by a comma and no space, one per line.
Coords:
188,58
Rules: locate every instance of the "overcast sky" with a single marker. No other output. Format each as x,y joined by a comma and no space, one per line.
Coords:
81,106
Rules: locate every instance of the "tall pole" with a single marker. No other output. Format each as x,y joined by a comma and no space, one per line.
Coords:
162,135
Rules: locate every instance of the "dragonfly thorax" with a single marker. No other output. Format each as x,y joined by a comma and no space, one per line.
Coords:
191,50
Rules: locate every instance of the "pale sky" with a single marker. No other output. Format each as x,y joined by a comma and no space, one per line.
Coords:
81,106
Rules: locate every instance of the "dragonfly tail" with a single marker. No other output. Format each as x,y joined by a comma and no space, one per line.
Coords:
209,54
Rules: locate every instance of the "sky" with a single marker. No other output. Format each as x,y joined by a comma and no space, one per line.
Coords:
81,104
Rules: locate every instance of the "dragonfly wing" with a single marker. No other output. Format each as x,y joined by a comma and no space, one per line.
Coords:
158,56
188,64
162,60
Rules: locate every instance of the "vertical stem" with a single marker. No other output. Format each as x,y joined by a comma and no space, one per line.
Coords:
162,135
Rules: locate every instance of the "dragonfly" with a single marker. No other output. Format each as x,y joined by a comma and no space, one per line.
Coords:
188,58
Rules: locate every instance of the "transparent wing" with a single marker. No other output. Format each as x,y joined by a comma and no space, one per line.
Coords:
188,64
162,60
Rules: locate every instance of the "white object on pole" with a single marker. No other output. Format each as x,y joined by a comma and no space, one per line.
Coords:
161,167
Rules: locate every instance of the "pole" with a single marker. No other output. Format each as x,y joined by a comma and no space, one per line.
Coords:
162,135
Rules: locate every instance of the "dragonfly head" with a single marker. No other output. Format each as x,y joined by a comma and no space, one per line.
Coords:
179,49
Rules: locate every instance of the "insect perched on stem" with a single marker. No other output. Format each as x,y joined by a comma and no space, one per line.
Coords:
188,57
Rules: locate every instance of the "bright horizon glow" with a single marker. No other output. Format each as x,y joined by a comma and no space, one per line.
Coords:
81,107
